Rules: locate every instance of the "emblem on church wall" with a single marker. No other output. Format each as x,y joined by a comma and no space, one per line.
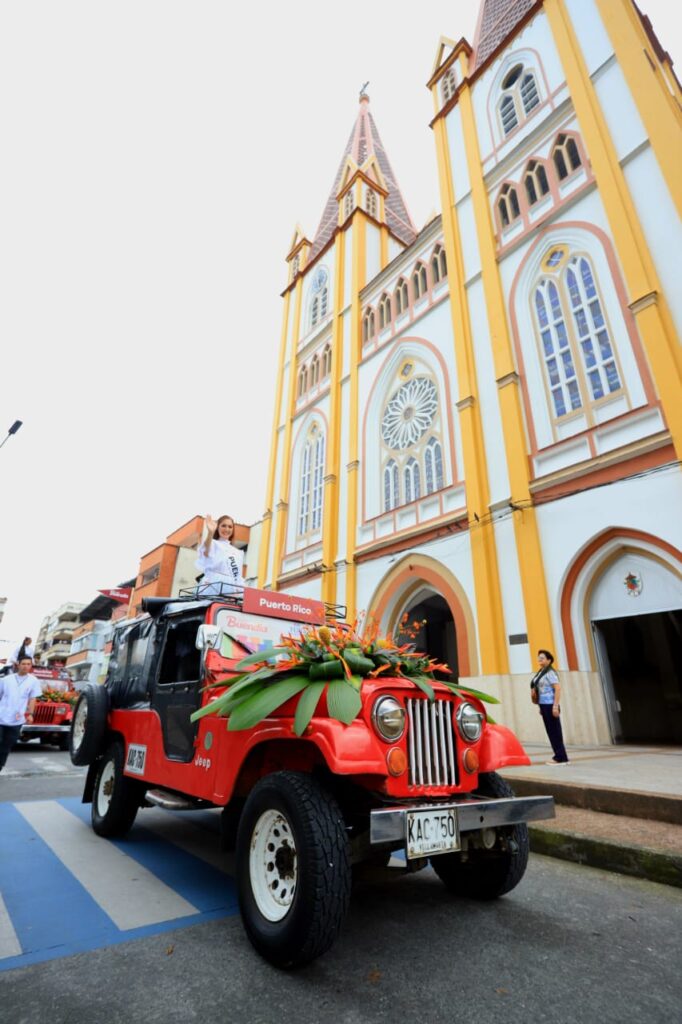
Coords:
633,584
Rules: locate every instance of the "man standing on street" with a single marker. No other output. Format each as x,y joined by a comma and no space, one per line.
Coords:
18,692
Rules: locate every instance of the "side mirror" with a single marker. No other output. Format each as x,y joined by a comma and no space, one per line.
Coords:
208,637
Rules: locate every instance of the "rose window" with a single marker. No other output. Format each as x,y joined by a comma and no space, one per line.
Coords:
409,413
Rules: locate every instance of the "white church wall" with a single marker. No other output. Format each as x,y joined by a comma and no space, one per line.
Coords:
590,32
513,605
660,223
458,158
469,237
650,504
498,477
622,117
373,251
394,248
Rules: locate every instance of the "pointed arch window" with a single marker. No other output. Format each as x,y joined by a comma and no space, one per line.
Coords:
402,302
594,339
348,203
384,311
314,371
319,296
410,437
448,85
508,206
326,360
420,284
312,481
391,488
580,361
371,203
295,266
368,325
433,465
302,381
439,267
566,156
535,182
519,97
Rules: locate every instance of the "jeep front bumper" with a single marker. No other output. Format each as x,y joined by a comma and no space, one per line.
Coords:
445,821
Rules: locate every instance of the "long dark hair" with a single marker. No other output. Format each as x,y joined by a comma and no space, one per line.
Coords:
216,532
548,655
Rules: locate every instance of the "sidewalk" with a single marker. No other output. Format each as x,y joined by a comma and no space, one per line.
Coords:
618,808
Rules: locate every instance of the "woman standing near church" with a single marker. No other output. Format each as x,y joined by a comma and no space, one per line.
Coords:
548,686
219,560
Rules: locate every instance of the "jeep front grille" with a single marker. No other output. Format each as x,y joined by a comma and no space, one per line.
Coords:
431,743
44,713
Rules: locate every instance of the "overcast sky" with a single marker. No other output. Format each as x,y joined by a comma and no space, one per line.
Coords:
157,156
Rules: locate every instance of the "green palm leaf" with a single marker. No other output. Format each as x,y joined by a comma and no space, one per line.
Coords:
261,704
265,655
456,688
307,704
423,684
343,701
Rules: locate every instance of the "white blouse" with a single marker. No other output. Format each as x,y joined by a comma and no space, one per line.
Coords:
223,564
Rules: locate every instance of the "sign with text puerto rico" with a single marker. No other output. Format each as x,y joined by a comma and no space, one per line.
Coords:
283,606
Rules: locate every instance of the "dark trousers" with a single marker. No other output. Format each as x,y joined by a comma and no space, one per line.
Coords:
554,733
9,734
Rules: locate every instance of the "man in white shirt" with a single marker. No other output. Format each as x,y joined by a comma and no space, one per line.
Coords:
18,692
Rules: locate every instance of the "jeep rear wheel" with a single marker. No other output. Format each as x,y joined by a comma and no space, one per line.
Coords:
293,869
487,874
115,798
89,724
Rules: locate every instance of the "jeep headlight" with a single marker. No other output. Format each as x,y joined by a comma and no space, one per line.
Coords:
388,718
469,722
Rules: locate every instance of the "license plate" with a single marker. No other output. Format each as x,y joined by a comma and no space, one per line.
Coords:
137,755
432,832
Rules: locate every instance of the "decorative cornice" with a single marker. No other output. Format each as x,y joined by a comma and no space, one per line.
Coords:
282,506
330,478
508,378
643,302
465,403
353,467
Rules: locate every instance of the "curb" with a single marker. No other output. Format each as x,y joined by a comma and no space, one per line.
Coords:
637,861
630,803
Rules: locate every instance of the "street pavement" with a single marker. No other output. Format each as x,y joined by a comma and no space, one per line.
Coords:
146,928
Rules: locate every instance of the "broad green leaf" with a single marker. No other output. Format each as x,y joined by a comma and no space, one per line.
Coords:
263,703
307,703
356,682
344,701
332,669
265,655
234,700
474,693
423,684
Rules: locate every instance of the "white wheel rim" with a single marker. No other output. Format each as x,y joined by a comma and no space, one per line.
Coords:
79,722
273,865
105,790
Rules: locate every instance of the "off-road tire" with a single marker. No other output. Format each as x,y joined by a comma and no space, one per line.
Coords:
322,887
116,799
93,703
487,875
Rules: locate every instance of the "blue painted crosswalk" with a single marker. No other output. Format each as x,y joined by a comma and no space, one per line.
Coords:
64,890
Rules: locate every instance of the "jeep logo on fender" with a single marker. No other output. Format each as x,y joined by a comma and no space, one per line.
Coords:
283,606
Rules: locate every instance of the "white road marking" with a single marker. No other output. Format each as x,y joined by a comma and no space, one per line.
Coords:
198,841
9,943
130,894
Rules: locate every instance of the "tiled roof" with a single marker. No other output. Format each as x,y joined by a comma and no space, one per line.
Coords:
364,142
497,20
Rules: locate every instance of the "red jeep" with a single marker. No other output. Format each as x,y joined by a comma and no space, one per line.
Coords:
407,774
53,710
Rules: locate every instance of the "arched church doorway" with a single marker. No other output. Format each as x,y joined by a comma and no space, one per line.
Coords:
430,625
634,607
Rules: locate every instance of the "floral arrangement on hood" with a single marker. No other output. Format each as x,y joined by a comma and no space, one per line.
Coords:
324,659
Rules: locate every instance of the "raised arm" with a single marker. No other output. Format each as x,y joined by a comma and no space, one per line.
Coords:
210,530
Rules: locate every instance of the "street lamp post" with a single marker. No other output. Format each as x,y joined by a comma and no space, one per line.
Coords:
12,430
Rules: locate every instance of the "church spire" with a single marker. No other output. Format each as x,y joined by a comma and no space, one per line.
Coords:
363,149
497,19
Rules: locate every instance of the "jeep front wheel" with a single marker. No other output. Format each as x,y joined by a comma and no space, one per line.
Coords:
293,869
487,874
115,798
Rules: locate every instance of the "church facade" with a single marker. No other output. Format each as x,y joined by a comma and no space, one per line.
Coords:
479,423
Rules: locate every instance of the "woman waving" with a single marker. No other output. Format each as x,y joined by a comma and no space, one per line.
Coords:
219,560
